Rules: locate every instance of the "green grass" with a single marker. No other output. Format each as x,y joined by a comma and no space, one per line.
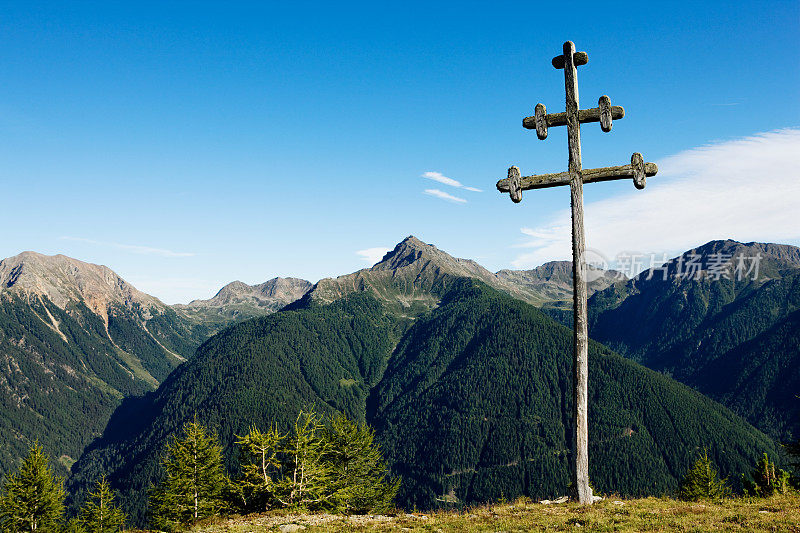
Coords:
779,513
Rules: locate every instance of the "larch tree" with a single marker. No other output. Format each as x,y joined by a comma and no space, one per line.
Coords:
33,498
306,475
702,482
360,483
194,480
100,514
260,467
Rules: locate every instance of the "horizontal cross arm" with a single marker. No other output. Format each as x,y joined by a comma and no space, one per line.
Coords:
584,116
579,58
638,170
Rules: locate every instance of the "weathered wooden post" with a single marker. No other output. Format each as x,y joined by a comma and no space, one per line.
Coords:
575,177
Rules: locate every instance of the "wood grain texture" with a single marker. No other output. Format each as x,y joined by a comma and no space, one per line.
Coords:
639,171
514,188
579,58
540,121
590,175
584,116
606,117
580,437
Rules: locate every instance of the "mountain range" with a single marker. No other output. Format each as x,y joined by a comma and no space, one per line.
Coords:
76,338
463,373
239,301
732,336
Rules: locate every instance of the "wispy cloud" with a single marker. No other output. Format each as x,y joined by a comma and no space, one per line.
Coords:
445,196
132,248
373,255
746,189
438,176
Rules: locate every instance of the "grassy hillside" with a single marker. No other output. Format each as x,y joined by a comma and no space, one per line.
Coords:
780,513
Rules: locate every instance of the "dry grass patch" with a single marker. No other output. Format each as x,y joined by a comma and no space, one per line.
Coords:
779,513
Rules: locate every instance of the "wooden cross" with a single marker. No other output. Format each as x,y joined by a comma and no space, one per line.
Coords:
575,177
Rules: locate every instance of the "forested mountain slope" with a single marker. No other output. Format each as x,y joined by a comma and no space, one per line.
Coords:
734,339
75,338
476,402
470,400
256,372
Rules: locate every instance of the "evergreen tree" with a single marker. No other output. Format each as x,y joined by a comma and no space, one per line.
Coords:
100,514
260,467
360,483
307,477
33,498
74,525
766,479
794,452
194,480
702,482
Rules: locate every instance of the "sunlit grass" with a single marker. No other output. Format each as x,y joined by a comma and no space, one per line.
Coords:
779,513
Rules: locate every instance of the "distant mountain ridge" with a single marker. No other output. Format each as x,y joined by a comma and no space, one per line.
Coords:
413,275
62,280
553,280
238,300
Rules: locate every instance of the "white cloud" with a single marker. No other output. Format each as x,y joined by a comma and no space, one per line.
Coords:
373,255
445,196
133,248
745,189
438,176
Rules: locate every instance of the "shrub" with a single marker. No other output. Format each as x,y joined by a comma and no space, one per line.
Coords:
702,482
766,480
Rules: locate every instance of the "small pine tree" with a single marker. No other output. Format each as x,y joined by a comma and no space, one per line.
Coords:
260,467
74,526
360,483
765,480
194,480
702,482
33,498
100,514
307,477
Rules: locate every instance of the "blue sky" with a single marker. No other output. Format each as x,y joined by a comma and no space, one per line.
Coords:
186,145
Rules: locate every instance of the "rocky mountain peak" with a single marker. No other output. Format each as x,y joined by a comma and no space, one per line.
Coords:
753,260
239,300
231,292
413,252
413,271
62,280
